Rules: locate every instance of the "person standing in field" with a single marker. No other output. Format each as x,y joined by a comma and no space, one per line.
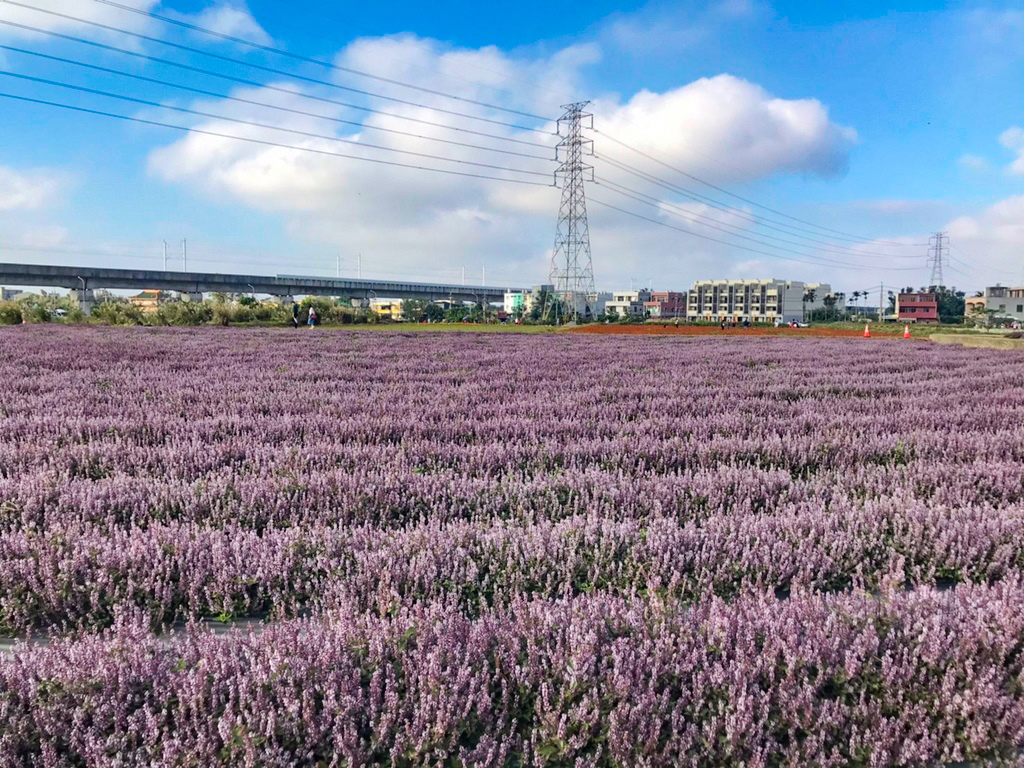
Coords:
312,317
295,314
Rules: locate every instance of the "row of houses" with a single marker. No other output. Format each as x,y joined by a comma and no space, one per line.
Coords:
999,300
755,301
734,301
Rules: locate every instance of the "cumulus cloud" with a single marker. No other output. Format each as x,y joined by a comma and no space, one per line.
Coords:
1013,140
727,129
989,244
413,223
28,190
234,20
68,15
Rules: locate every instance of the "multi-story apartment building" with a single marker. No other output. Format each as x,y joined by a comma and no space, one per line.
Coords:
666,304
756,301
917,308
1003,301
628,303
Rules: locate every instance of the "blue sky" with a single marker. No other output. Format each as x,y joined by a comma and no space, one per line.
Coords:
884,124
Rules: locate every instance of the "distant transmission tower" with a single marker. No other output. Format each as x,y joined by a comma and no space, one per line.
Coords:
937,249
572,269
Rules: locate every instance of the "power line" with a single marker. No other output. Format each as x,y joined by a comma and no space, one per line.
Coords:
239,99
722,226
699,180
312,60
505,76
254,124
267,86
267,143
270,70
753,218
733,245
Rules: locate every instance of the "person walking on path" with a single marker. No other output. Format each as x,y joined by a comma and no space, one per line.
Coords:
312,317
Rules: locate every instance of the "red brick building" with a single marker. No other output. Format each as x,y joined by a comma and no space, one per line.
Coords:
917,308
666,304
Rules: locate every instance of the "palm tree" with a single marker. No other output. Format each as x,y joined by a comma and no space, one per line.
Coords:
809,296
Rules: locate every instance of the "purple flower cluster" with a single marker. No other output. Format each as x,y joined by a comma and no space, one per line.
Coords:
908,679
509,550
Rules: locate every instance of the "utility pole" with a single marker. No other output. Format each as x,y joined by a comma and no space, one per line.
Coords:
463,275
483,275
572,268
165,255
184,255
938,246
359,266
881,307
339,264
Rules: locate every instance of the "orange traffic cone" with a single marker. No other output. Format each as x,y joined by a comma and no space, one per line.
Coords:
867,331
906,331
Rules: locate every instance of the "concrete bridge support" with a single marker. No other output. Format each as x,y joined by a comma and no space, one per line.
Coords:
86,300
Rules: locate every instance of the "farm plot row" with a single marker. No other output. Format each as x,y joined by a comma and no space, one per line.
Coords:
917,679
503,550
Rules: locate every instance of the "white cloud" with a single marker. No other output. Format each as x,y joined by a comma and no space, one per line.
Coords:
973,162
415,224
727,129
28,190
67,16
234,20
665,30
989,244
1013,139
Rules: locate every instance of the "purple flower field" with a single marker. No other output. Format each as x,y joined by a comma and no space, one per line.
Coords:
508,550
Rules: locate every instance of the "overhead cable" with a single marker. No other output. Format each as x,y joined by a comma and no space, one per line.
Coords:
744,199
721,225
267,126
252,102
733,245
787,229
268,87
312,60
269,70
265,143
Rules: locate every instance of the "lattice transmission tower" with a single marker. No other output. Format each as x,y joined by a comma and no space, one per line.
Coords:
572,269
938,247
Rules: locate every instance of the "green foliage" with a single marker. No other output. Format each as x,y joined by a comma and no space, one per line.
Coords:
10,313
418,310
115,311
182,313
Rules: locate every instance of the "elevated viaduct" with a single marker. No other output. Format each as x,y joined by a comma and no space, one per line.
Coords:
83,281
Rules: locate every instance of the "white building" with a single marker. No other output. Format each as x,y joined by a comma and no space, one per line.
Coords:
1005,301
627,303
515,302
756,301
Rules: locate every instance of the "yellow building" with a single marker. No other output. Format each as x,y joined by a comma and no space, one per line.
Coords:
147,301
391,310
